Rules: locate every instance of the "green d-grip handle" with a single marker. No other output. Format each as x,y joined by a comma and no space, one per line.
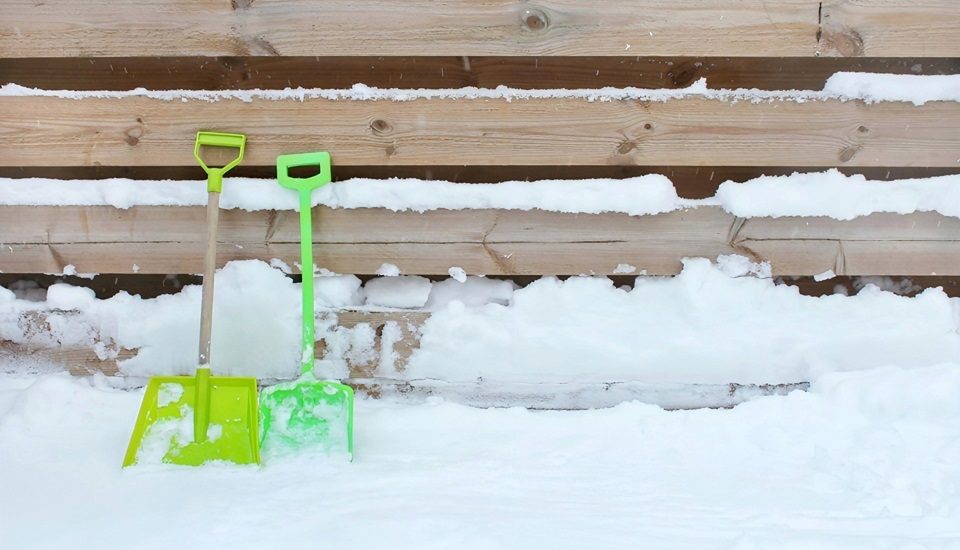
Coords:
320,159
218,139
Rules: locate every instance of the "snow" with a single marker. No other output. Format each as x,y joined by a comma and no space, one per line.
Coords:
845,86
829,193
863,460
703,326
837,196
715,323
915,89
398,291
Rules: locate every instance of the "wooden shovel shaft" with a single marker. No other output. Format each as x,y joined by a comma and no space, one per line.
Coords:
209,266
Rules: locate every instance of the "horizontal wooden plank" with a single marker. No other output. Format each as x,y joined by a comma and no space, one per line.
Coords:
338,72
489,242
138,131
499,27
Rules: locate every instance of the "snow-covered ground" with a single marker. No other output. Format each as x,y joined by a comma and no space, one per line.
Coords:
863,460
868,457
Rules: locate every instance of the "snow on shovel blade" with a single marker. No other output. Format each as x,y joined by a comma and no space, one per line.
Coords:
307,414
165,428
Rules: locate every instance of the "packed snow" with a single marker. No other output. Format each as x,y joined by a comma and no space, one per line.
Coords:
845,86
715,323
829,193
864,460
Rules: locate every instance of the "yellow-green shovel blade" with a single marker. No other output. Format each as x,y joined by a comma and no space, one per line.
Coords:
165,428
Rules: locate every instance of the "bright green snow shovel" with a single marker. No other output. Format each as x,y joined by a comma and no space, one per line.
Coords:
307,413
190,420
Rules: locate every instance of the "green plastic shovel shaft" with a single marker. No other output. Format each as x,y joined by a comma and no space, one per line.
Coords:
306,267
305,187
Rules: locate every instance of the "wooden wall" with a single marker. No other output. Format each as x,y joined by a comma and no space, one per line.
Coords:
274,44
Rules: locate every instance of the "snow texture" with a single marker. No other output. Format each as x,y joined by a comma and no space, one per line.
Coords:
864,460
844,86
828,193
715,323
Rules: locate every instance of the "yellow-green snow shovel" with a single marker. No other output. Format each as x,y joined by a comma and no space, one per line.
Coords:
190,420
307,413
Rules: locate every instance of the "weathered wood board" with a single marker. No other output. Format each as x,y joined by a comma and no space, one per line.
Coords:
100,239
140,131
783,28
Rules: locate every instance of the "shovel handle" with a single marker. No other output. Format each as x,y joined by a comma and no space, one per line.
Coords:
304,186
320,159
218,139
214,185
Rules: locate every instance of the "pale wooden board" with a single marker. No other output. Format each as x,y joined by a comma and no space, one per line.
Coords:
487,242
138,131
797,28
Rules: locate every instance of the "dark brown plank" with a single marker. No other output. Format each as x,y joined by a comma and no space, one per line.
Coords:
247,73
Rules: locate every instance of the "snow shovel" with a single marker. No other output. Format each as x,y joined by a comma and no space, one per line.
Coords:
306,412
190,420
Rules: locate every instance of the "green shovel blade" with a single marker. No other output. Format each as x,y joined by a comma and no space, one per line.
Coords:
307,414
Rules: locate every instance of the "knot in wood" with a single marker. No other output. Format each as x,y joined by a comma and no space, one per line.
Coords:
626,146
847,154
380,126
843,40
133,135
686,73
534,20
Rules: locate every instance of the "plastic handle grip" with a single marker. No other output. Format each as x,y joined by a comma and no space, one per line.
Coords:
218,139
319,159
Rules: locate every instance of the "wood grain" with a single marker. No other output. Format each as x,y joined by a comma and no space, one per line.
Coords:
488,242
138,131
91,28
